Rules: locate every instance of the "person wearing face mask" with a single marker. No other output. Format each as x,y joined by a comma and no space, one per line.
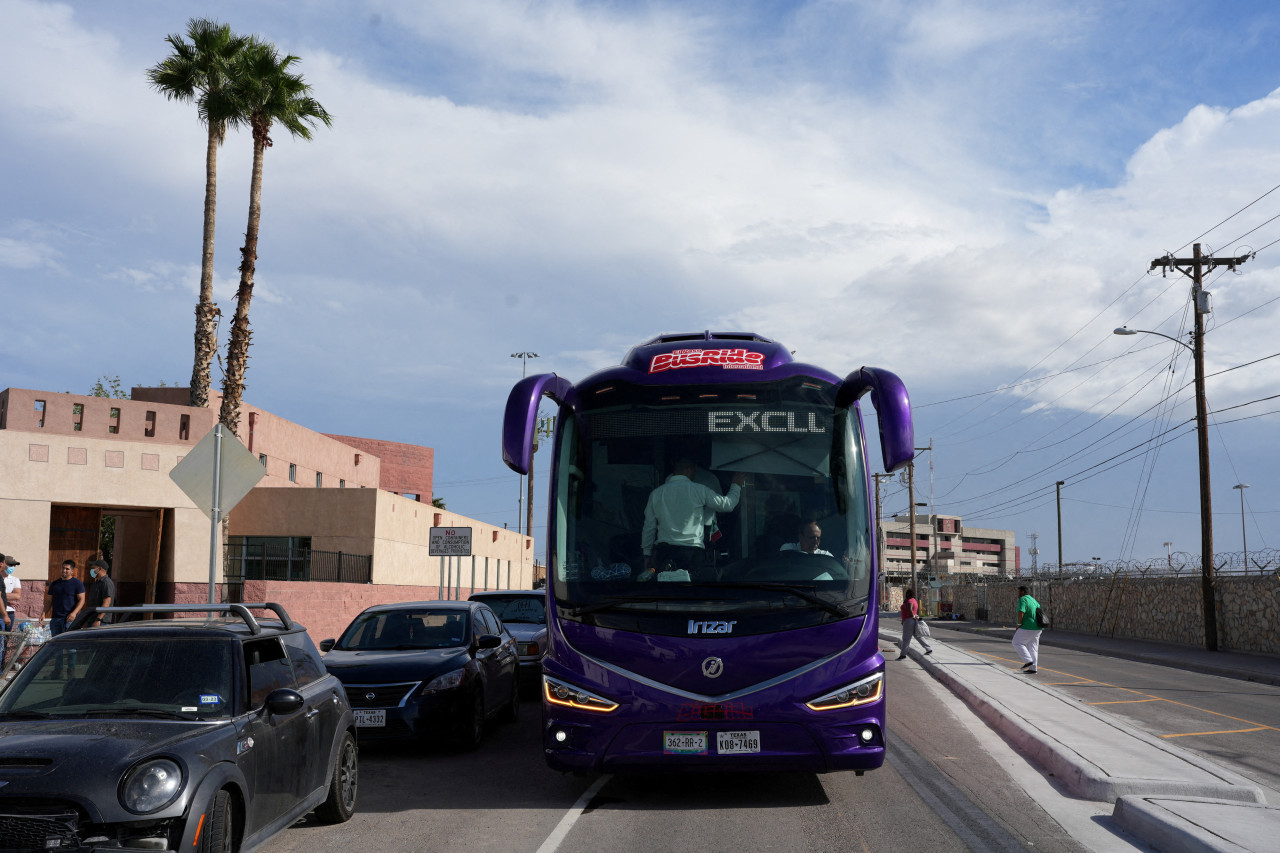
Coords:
11,593
101,593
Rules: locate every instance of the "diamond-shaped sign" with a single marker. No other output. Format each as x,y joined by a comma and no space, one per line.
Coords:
240,471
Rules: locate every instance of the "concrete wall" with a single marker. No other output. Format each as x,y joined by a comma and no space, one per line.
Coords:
406,469
1165,609
395,530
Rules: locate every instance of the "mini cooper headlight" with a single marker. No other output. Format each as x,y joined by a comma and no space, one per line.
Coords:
151,785
448,681
859,693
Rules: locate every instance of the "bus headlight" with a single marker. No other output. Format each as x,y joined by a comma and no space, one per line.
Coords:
558,693
869,689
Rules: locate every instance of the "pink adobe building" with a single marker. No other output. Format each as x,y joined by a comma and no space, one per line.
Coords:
337,523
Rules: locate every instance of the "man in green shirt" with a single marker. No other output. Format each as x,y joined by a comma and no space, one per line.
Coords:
1026,640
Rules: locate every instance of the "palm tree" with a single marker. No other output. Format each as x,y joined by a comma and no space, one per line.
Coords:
199,71
270,93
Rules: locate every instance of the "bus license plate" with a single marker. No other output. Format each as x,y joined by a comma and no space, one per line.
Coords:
684,743
737,743
370,719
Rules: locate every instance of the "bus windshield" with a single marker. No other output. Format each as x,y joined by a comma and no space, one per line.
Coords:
792,544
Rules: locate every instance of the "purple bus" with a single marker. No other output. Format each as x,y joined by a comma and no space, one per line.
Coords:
711,554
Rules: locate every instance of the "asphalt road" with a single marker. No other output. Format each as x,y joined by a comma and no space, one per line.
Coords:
1235,724
949,785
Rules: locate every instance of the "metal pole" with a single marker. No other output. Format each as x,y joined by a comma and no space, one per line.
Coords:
1058,487
216,514
911,497
1206,497
1244,538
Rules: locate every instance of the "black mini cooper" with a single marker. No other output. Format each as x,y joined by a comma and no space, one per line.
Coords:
192,734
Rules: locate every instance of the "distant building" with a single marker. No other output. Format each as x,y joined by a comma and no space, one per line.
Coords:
335,508
945,547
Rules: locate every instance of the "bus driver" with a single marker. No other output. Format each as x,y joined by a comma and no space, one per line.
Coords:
672,537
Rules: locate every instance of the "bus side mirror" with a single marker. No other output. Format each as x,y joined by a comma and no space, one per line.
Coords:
520,421
893,411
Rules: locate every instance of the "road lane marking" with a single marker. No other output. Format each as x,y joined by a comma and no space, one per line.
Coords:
571,817
1227,732
1124,702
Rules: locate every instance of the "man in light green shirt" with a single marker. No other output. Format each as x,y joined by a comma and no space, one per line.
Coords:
1026,639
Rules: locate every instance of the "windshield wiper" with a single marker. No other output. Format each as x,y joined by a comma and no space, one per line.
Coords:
804,592
25,715
141,712
617,602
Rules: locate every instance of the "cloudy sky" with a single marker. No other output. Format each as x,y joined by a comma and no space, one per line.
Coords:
966,193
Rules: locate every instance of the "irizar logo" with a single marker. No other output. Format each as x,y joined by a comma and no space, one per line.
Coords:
711,627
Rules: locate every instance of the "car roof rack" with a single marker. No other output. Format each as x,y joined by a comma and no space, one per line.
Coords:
241,610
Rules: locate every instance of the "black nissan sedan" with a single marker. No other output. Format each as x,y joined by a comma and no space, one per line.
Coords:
192,734
431,670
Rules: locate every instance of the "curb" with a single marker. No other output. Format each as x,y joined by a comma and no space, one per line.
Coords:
1160,821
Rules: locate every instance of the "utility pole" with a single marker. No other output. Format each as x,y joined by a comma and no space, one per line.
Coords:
911,499
881,577
1194,268
1058,486
1035,552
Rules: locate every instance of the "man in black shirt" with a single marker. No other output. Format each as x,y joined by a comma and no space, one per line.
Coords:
102,592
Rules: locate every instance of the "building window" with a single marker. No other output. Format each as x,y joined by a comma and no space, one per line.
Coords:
40,414
262,457
319,479
113,421
184,427
342,484
150,429
77,417
293,473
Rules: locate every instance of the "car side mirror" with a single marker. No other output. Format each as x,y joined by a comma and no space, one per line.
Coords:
488,641
326,645
284,700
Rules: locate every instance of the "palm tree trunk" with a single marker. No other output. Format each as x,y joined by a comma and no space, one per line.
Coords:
207,313
238,344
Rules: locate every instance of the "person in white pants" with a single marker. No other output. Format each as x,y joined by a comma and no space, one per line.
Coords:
1026,640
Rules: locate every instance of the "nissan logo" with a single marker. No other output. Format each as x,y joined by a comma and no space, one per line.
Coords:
712,667
370,696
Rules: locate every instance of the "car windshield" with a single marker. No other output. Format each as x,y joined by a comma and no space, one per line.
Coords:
518,608
186,678
388,630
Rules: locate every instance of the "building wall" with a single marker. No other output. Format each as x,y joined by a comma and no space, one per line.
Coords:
394,529
406,469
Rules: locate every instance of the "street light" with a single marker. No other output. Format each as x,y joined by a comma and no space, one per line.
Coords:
1202,435
1243,537
524,372
1058,488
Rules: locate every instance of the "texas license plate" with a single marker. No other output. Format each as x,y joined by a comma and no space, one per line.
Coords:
737,743
370,719
684,743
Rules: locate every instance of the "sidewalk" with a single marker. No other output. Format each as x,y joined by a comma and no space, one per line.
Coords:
1246,667
1168,797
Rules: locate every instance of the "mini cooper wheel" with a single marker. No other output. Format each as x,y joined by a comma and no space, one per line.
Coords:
344,786
216,835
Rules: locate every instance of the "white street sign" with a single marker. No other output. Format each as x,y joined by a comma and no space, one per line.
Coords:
240,472
450,542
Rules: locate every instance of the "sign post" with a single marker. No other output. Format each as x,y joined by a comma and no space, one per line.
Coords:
217,474
450,542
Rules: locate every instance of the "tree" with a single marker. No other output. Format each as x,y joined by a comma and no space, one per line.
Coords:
108,386
200,71
438,503
270,93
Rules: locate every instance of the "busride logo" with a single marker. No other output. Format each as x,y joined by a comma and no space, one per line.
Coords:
733,359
